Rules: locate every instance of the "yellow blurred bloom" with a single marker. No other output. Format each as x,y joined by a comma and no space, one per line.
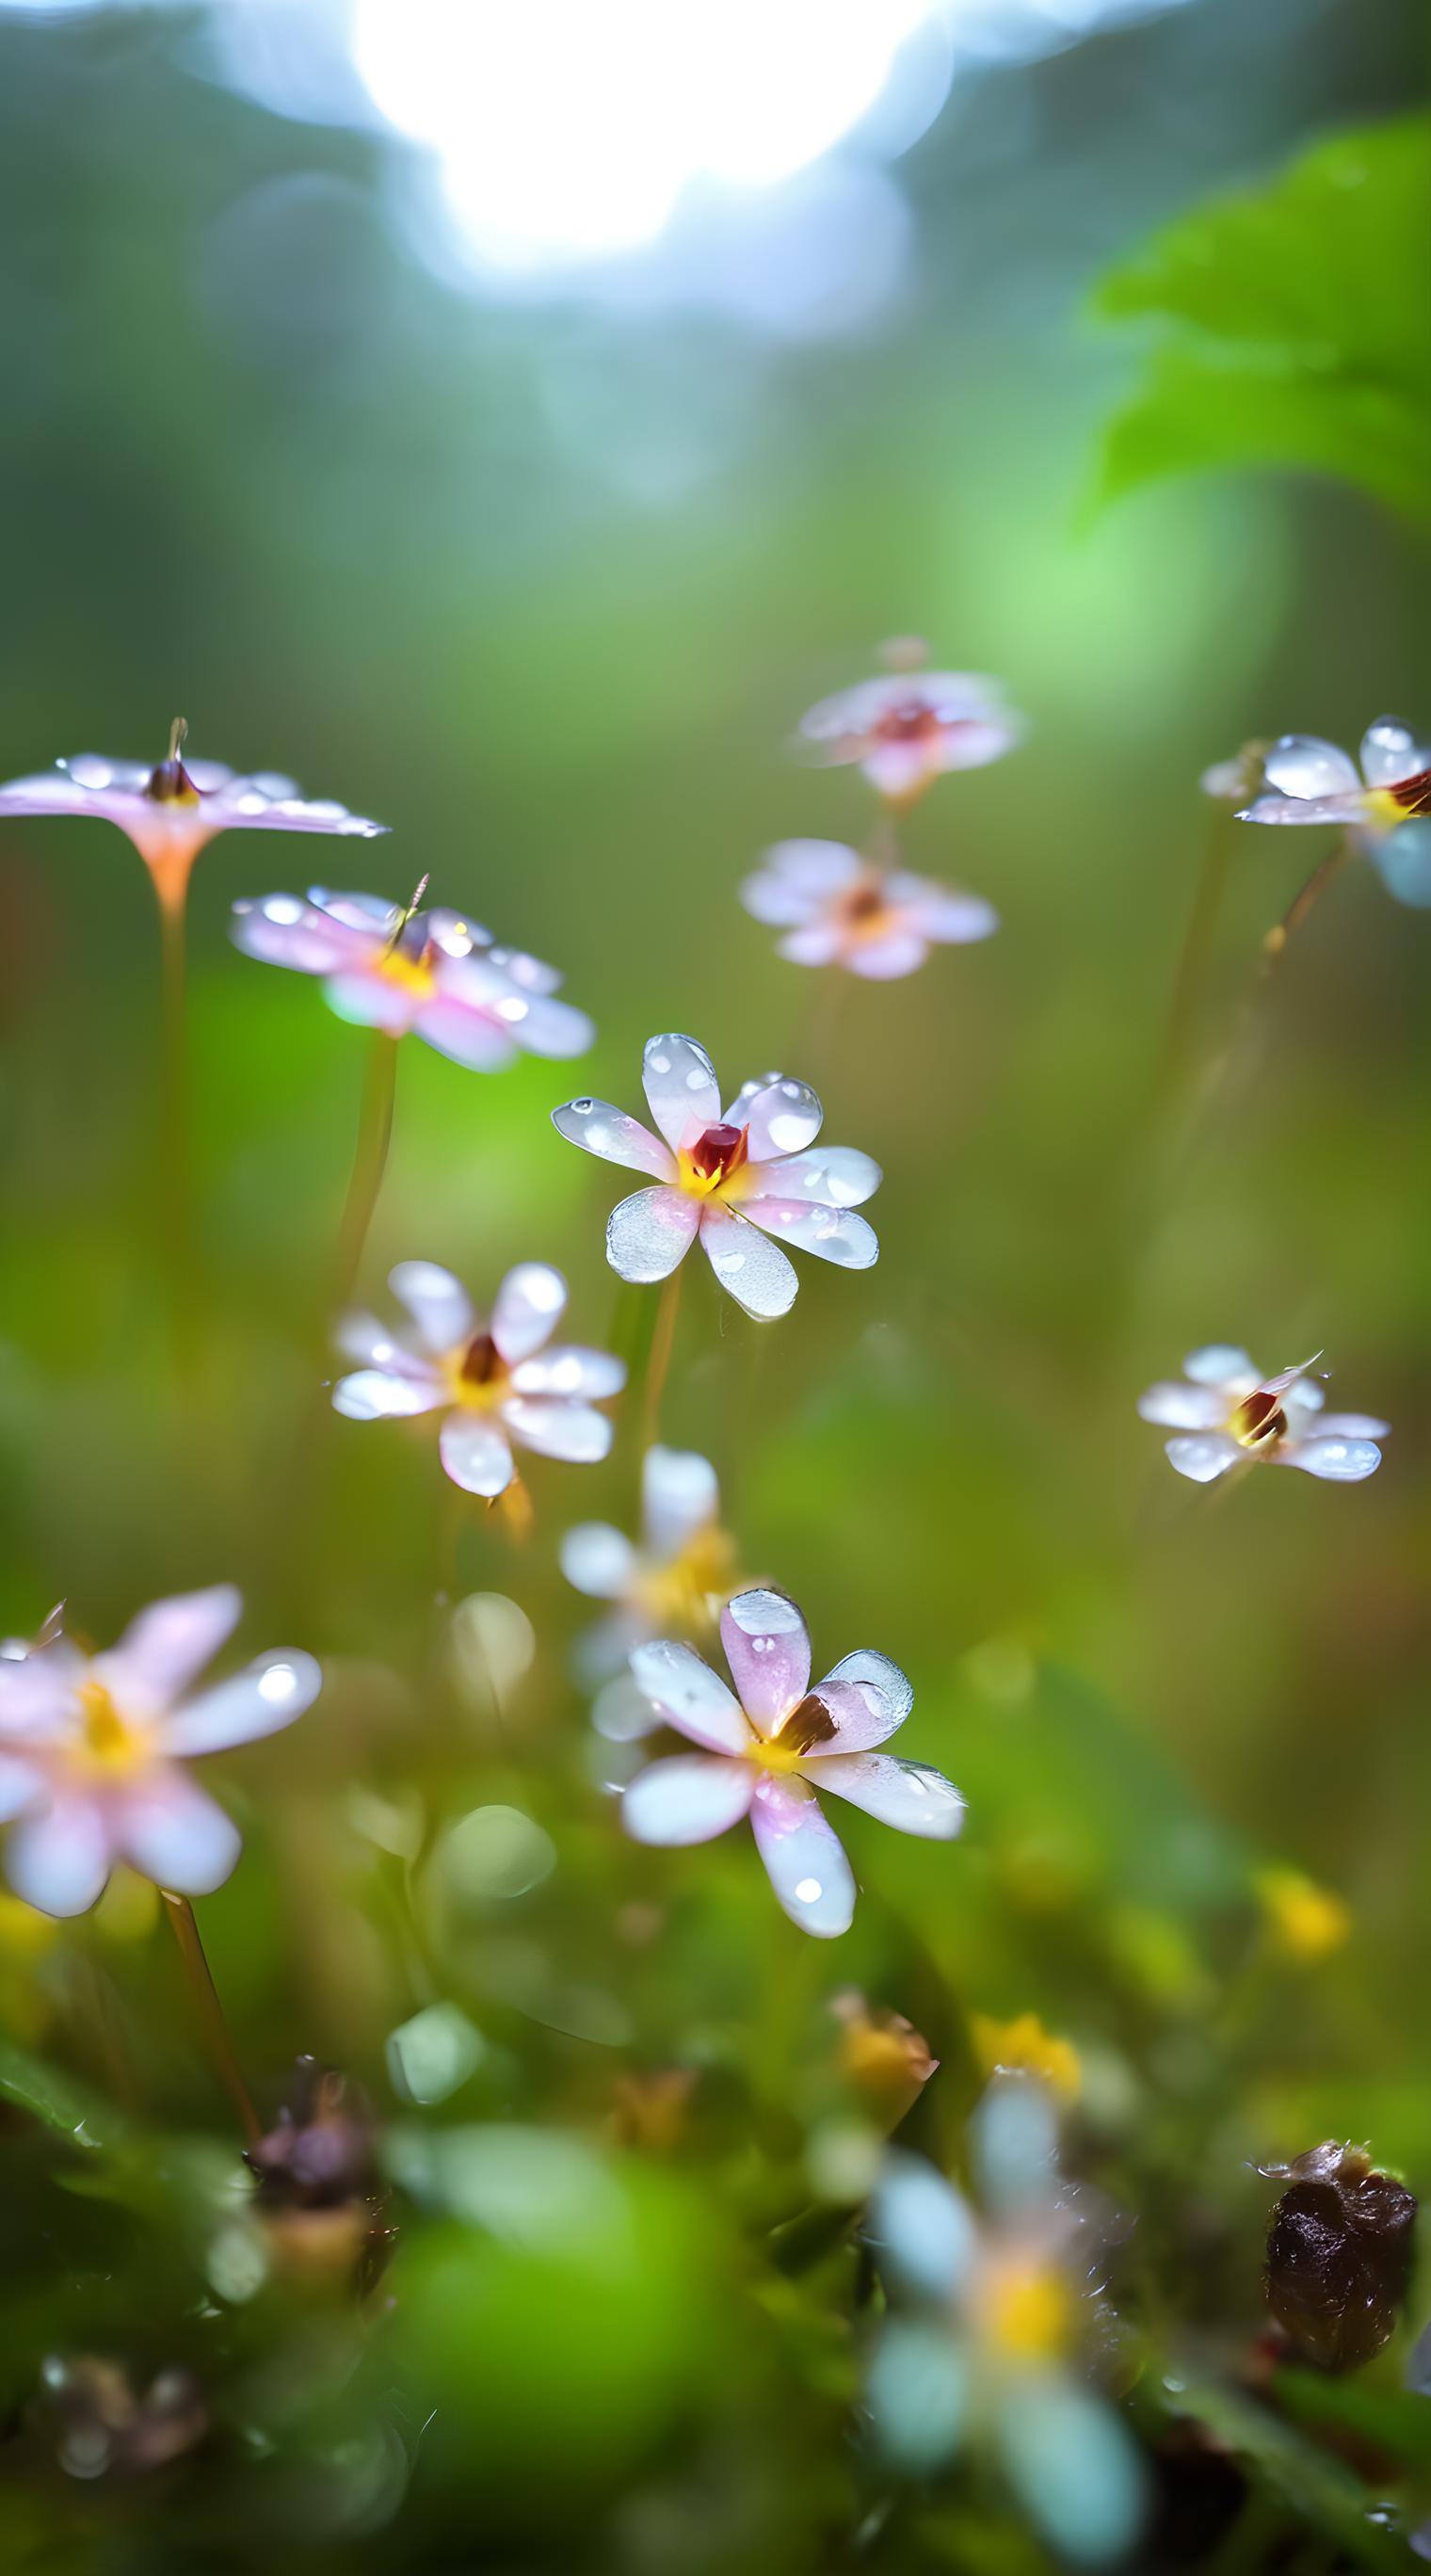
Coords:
1305,1922
1025,2310
1024,2047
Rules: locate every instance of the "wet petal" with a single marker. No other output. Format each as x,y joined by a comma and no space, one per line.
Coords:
558,1429
650,1232
174,1833
835,1234
921,2230
1220,1364
1203,1459
688,1799
911,1796
438,1304
168,1645
597,1559
476,1455
679,1496
525,1309
59,1861
269,1695
600,1129
679,1081
746,1262
547,1028
1309,809
466,1036
376,1395
1073,2467
883,961
283,930
1390,751
370,912
370,1002
1302,765
362,1336
836,1176
803,1856
1184,1408
780,1116
568,1370
1341,1462
684,1691
767,1646
917,2390
1402,860
885,1692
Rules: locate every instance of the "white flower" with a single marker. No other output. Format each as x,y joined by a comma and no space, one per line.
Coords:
1228,1413
767,1747
908,727
92,1749
676,1576
1316,782
837,909
733,1177
496,1382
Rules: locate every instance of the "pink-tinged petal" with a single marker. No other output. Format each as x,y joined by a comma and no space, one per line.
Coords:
600,1129
371,1002
1221,1364
1341,1462
1391,752
908,1795
650,1232
779,1116
681,1090
685,1692
835,1234
283,930
1183,1408
597,1560
767,1646
59,1861
37,1691
172,1832
369,912
1352,1426
381,1395
796,878
746,1262
900,769
1302,765
465,1036
526,1310
971,743
839,727
1203,1459
836,1176
774,901
438,1304
688,1799
883,961
545,1027
679,1497
568,1370
818,944
476,1455
869,1699
20,1785
268,1696
1306,809
804,1858
943,912
248,803
168,1645
557,1428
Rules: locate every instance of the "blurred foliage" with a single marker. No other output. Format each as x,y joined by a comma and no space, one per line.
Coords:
1288,332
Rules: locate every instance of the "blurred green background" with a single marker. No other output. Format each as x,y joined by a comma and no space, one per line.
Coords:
544,585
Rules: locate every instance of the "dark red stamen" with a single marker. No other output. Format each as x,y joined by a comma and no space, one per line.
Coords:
481,1361
718,1153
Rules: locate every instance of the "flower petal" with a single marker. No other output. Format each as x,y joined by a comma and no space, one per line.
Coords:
1341,1462
548,1028
59,1861
597,1559
162,1651
361,1336
526,1309
883,961
1303,765
466,1036
600,1129
650,1232
746,1262
684,1691
922,2231
767,1646
569,1370
911,1796
944,913
884,1692
283,930
270,1694
804,1858
175,1834
679,1497
1390,752
476,1455
1183,1407
376,1395
917,2390
835,1234
1073,2467
816,869
688,1799
779,1116
1353,1426
369,1001
438,1304
838,1176
1402,860
557,1428
1221,1364
21,1783
679,1081
1306,809
1203,1459
816,943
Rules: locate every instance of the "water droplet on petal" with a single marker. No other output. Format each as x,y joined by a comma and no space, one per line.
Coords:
808,1890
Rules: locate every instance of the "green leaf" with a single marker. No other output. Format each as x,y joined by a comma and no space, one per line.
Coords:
1292,327
61,2105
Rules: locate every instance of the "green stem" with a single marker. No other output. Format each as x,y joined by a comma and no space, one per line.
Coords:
375,1127
1196,949
176,1176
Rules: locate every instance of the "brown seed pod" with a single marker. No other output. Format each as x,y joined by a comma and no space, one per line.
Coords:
1339,2250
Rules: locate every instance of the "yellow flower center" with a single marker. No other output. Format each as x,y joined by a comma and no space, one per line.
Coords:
411,974
688,1592
802,1728
711,1164
477,1375
110,1742
1025,2309
1258,1422
862,912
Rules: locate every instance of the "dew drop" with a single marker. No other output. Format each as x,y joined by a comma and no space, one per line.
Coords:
808,1890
